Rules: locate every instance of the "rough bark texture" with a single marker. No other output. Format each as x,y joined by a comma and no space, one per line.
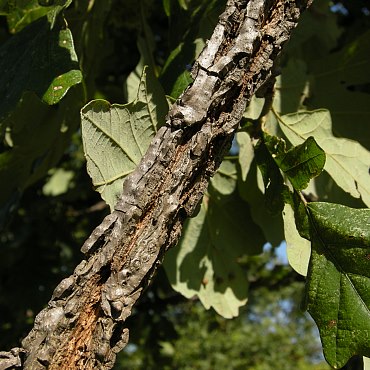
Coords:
83,326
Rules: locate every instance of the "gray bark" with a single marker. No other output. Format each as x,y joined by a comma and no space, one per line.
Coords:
83,325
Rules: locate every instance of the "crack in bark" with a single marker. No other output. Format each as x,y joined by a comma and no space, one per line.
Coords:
83,325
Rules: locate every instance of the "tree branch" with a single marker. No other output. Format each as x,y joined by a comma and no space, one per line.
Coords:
83,326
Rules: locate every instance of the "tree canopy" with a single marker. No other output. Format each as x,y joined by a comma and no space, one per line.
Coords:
88,84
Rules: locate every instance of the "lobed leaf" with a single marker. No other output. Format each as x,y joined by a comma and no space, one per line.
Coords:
338,280
205,263
347,161
115,137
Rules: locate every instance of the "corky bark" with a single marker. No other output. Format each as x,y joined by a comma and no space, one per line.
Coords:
83,326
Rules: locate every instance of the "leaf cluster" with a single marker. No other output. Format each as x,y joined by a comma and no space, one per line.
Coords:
299,146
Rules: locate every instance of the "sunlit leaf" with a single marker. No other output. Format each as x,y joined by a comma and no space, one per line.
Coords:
115,137
366,363
338,280
298,248
347,161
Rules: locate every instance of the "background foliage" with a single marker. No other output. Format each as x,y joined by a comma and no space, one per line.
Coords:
58,55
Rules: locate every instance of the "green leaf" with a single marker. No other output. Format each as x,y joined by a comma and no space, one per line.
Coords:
336,82
254,108
23,13
183,4
115,137
34,145
58,182
146,46
298,248
174,76
188,31
205,263
167,7
300,163
290,86
37,59
275,189
338,281
271,224
224,180
317,33
347,161
246,152
181,83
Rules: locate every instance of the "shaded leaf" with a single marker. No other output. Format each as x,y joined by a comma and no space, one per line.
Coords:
291,86
300,163
23,13
224,180
271,224
336,82
188,31
246,152
317,33
146,45
115,137
254,108
181,83
167,7
347,161
275,189
338,281
205,263
58,182
35,143
38,59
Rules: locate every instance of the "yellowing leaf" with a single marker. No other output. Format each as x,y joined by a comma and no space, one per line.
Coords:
347,161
